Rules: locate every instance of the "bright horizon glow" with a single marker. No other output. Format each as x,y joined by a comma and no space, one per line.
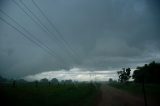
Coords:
75,74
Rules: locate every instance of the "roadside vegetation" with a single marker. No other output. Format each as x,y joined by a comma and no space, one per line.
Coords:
136,88
145,82
49,94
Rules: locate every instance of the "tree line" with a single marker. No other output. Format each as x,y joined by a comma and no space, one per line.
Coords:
148,73
44,81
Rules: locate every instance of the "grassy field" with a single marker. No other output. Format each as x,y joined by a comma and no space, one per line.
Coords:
54,95
152,90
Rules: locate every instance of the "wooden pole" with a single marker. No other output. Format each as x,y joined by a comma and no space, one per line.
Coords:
144,92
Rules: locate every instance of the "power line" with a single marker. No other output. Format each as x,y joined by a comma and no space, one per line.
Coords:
29,33
48,31
34,15
34,20
27,37
39,23
21,33
54,27
42,27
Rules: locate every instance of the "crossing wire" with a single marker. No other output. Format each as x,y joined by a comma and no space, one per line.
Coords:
29,33
5,21
40,22
54,27
27,37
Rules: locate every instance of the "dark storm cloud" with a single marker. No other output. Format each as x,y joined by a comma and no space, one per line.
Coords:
2,3
101,35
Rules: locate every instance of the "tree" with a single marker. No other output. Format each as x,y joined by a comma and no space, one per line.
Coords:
124,75
68,81
54,81
44,80
36,83
149,73
21,81
2,79
110,80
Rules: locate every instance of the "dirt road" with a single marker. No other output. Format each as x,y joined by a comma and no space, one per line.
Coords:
114,97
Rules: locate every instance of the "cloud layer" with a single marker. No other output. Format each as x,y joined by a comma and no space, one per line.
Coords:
92,35
75,74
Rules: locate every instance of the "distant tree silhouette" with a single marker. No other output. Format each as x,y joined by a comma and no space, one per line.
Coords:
21,81
124,75
49,83
2,79
68,81
149,73
44,80
36,83
110,80
14,83
55,81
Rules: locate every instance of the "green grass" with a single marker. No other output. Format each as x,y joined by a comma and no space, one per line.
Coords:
54,95
151,89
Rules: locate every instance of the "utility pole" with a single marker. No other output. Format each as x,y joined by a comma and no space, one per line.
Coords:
144,92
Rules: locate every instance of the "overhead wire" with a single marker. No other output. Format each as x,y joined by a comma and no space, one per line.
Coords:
36,41
55,28
5,21
25,30
34,20
40,22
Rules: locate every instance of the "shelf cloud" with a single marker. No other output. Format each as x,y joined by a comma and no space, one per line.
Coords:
39,36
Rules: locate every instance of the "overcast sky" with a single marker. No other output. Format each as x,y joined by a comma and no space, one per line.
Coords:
91,35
